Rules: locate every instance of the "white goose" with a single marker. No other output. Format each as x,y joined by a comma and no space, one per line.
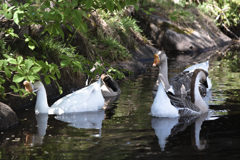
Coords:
168,105
179,84
86,99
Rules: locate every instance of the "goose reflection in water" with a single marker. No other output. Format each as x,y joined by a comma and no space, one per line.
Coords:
86,120
165,127
37,139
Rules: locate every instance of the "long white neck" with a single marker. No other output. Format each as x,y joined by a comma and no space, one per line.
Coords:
163,75
200,144
197,96
41,103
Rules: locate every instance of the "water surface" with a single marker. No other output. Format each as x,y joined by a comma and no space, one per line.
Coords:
126,131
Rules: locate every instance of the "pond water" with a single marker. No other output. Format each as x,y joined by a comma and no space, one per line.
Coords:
125,130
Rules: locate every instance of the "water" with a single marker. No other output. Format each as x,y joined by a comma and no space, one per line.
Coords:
126,131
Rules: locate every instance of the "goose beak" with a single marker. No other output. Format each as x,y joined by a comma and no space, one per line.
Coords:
28,86
156,60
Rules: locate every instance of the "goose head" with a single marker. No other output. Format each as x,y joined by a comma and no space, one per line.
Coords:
159,57
108,82
29,87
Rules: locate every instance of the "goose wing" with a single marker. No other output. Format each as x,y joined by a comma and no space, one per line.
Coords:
185,108
181,83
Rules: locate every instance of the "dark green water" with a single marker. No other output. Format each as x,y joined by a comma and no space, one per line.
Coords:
126,131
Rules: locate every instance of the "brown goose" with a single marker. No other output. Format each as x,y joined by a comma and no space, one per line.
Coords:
166,104
179,84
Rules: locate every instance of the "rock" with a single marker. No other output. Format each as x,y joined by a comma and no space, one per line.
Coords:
7,116
197,36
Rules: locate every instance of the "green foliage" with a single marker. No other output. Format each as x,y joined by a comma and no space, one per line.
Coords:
118,37
51,15
10,32
175,15
115,51
232,61
127,22
175,11
223,11
18,69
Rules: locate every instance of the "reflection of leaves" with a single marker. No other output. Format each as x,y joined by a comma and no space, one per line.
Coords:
225,82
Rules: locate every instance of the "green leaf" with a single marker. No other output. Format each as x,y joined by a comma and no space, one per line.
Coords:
64,63
2,81
53,77
42,64
36,75
84,14
60,31
31,78
18,78
8,73
13,35
1,12
88,3
77,16
58,74
8,15
136,7
28,64
31,45
6,56
19,59
36,69
12,61
17,17
64,57
47,80
173,18
68,27
5,6
14,88
13,68
110,5
60,88
78,64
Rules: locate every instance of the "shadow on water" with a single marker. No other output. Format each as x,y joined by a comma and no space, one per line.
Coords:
124,130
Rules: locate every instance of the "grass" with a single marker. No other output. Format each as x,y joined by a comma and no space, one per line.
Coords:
115,36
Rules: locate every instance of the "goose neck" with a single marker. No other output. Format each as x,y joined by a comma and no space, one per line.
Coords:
196,97
41,102
163,75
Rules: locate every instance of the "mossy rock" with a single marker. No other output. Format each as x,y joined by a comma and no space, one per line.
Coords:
7,116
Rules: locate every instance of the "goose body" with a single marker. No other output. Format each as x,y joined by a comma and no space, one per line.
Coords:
86,99
168,105
179,84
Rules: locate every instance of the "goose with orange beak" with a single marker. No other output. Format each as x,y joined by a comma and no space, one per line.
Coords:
88,98
166,104
181,83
